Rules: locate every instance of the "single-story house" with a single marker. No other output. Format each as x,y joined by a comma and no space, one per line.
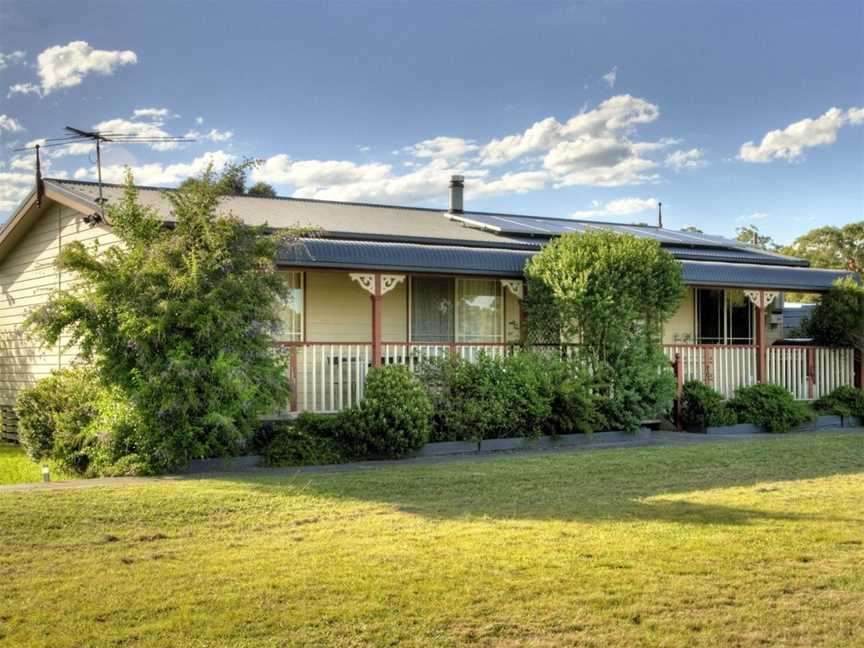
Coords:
383,284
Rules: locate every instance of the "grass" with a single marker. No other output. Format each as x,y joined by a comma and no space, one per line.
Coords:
749,543
17,468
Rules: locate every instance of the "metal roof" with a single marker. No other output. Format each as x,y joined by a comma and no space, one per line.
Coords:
412,257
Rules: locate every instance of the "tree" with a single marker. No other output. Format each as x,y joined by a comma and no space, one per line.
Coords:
179,319
838,319
692,228
832,247
750,234
262,190
612,293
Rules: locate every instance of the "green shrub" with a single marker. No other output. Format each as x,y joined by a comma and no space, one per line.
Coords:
295,444
393,418
843,401
71,418
769,406
705,407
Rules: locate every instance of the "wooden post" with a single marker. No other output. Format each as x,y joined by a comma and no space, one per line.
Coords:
679,375
760,339
860,368
294,382
707,368
376,322
811,371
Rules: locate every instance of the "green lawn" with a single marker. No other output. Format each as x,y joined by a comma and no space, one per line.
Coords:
749,543
17,468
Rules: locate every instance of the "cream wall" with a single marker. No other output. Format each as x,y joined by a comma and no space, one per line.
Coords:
681,324
28,275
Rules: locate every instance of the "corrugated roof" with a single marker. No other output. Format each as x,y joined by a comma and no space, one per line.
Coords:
411,257
363,221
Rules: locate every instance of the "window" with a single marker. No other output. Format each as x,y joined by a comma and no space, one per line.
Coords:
292,309
723,317
446,310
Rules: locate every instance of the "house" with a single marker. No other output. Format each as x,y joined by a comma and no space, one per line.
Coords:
387,284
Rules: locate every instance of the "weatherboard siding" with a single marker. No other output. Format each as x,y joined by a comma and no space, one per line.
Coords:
28,275
681,324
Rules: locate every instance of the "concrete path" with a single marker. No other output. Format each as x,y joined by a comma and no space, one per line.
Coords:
657,439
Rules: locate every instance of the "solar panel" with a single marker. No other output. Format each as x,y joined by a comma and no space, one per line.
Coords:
549,227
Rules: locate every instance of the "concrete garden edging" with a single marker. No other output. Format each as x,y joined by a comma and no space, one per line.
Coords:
853,421
820,423
223,464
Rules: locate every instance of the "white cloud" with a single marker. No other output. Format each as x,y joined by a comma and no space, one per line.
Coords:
10,124
215,135
790,143
448,148
611,77
64,66
13,188
153,114
138,128
156,173
617,208
748,218
11,58
199,120
23,88
689,159
364,149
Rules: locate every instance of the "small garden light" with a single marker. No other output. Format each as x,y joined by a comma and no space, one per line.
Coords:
46,474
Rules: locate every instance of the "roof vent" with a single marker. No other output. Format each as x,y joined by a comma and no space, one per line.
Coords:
457,185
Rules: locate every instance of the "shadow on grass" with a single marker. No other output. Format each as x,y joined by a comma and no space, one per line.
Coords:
612,485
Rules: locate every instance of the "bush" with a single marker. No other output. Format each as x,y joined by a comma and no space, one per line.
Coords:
71,418
705,407
769,406
523,395
393,418
310,440
843,401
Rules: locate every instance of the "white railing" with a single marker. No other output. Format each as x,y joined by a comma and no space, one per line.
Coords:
329,377
725,368
810,372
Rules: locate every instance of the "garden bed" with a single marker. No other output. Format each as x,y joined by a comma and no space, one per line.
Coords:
820,423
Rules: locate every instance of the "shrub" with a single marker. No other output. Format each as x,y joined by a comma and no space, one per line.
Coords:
705,407
294,444
769,406
843,401
71,418
393,418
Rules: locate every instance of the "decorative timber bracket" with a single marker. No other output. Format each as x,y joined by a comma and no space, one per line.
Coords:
515,286
766,297
367,282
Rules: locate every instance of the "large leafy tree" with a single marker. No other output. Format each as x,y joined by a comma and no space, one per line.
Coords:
838,319
832,247
751,234
179,318
611,293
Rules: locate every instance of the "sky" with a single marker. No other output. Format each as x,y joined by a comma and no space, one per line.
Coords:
731,113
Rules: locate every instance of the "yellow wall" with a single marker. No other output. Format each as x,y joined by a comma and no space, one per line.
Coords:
28,275
512,322
682,323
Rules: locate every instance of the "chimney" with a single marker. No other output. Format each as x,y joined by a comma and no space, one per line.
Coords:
457,184
660,215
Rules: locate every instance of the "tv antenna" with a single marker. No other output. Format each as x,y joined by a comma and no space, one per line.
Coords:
77,136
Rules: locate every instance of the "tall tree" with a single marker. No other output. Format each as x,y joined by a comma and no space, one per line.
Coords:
750,234
262,190
832,247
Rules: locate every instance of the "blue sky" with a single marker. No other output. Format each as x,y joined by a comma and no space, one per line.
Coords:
586,109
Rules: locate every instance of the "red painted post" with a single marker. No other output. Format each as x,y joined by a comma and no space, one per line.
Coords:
679,374
376,322
707,368
760,339
811,371
294,381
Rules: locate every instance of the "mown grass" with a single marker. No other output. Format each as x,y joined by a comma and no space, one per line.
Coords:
17,468
749,543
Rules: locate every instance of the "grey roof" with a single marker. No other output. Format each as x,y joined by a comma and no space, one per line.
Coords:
345,221
404,257
745,275
412,257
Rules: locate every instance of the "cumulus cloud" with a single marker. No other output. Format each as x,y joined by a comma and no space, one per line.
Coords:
749,218
157,173
138,128
215,135
23,88
444,147
14,187
65,66
689,159
617,208
790,143
611,77
11,58
10,124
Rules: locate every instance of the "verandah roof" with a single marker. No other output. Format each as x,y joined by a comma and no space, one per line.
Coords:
412,257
